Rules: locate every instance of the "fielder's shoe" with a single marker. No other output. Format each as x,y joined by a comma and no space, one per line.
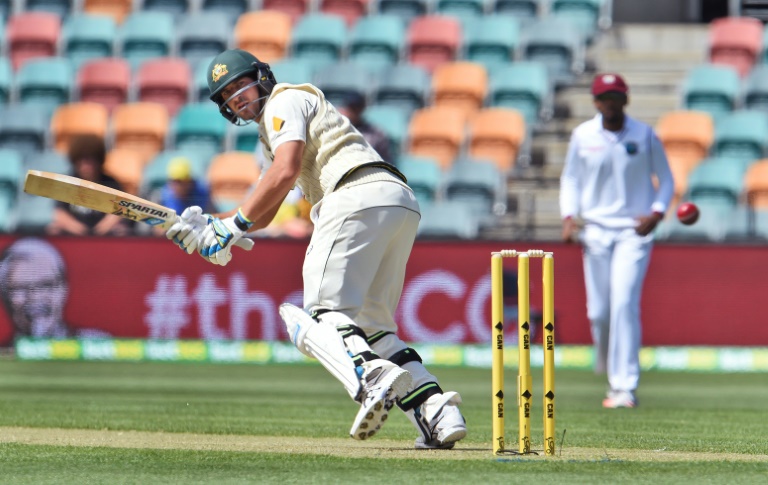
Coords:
439,418
383,383
620,399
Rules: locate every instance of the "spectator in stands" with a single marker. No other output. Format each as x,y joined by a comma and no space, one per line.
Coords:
87,154
353,108
608,181
34,290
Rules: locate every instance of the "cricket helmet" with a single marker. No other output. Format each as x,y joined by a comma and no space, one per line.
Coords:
230,65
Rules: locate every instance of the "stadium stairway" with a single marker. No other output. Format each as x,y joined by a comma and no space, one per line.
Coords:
654,59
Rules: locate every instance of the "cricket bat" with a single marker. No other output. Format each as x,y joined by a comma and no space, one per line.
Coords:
73,190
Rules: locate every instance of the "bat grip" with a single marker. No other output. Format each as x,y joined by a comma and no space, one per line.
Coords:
245,243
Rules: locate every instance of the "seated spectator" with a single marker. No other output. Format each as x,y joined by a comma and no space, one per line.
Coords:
353,108
182,190
87,154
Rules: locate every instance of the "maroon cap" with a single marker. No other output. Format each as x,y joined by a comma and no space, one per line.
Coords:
605,83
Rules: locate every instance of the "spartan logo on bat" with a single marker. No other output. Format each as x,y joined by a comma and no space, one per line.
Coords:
138,212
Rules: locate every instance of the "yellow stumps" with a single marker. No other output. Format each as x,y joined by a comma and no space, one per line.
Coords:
524,380
497,352
548,341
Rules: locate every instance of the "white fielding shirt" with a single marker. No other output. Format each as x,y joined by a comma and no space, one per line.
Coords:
608,178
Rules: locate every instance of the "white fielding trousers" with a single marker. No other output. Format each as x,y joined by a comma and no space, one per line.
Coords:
615,264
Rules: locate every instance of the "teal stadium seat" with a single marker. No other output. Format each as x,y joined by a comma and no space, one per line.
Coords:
393,121
425,177
448,220
38,211
717,184
6,80
406,10
742,134
11,174
202,35
156,171
711,88
200,87
146,35
319,38
5,12
522,9
24,128
584,14
200,127
62,8
524,86
716,223
376,42
464,10
492,40
477,183
48,161
86,37
177,8
46,82
293,71
557,44
339,80
245,138
405,85
231,8
756,89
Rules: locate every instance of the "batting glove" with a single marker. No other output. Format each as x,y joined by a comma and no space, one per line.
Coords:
220,235
186,232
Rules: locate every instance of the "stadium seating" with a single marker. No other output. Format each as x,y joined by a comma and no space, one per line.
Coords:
231,8
201,74
492,40
686,135
319,38
476,183
497,134
118,10
405,86
756,89
5,9
393,121
742,134
376,42
23,128
338,80
756,185
30,35
155,172
176,8
166,81
78,119
105,81
202,35
558,45
6,80
424,177
717,184
735,42
584,14
140,126
45,81
38,213
230,176
522,9
294,8
460,84
86,37
200,127
448,219
245,138
406,10
293,71
525,87
349,10
60,8
712,89
465,10
437,132
127,167
433,40
265,34
11,174
146,35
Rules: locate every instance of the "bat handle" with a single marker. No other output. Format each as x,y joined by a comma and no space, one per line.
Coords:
245,243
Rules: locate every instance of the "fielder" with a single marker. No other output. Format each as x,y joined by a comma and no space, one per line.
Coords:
365,219
608,181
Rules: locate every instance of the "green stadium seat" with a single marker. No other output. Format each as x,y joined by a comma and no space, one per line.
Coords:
6,80
711,88
45,82
584,14
319,38
202,35
405,85
177,8
245,138
448,220
742,134
11,175
477,183
393,121
461,9
424,176
376,42
199,126
492,40
523,9
293,71
406,10
23,128
339,80
717,183
756,89
524,86
557,44
231,8
146,35
86,37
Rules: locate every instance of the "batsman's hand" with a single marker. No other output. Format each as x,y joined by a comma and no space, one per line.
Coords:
220,235
186,232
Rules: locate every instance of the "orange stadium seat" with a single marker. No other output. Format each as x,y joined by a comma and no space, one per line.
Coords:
433,40
264,34
349,10
686,135
230,176
496,134
164,80
126,166
32,34
756,185
105,81
437,132
460,84
141,127
294,8
117,9
736,42
77,119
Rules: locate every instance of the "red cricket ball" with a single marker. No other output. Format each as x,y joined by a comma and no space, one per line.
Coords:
687,213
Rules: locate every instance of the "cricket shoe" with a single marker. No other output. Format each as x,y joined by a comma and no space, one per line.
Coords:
440,422
620,399
383,384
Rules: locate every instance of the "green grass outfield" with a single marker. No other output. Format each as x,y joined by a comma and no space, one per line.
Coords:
88,422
